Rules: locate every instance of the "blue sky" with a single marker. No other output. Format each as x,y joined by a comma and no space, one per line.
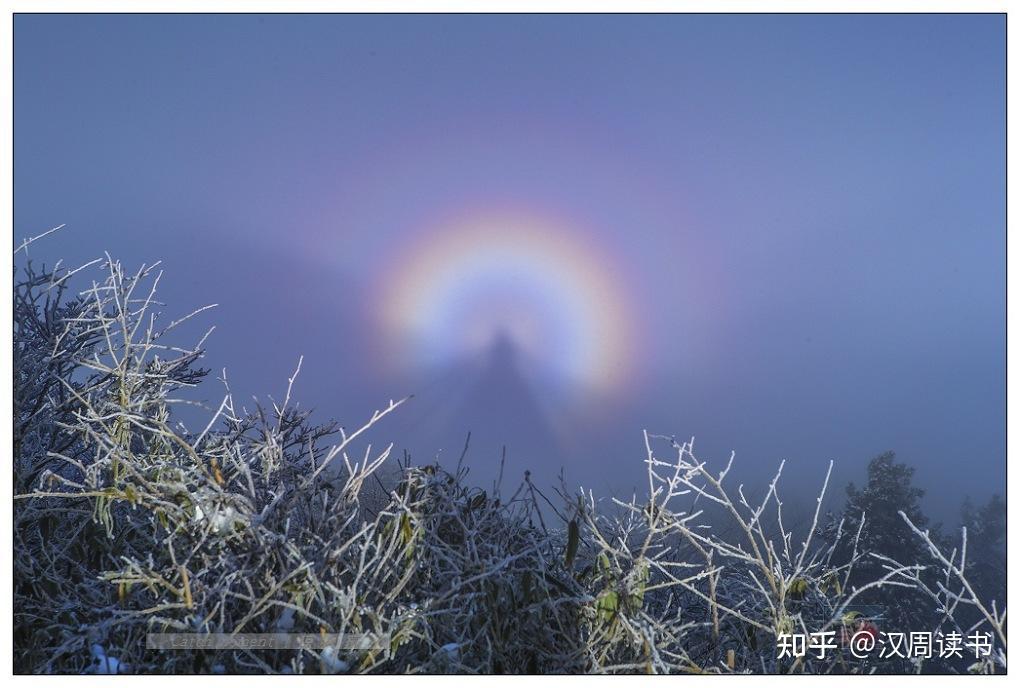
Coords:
806,213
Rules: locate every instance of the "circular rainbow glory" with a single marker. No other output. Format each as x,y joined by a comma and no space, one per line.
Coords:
551,291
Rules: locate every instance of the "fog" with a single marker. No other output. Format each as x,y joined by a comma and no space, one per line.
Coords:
800,221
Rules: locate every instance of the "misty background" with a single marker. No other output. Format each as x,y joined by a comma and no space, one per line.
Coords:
807,213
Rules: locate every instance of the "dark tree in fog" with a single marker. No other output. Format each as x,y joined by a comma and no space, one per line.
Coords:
889,490
986,546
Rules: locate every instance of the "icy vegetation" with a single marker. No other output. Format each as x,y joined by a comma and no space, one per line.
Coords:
126,524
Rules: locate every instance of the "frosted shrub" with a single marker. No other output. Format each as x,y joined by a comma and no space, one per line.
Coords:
127,523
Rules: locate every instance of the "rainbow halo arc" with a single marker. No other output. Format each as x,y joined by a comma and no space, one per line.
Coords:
537,282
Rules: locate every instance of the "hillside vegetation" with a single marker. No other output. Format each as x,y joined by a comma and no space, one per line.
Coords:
126,523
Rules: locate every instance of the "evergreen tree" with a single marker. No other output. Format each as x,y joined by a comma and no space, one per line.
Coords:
986,548
888,491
